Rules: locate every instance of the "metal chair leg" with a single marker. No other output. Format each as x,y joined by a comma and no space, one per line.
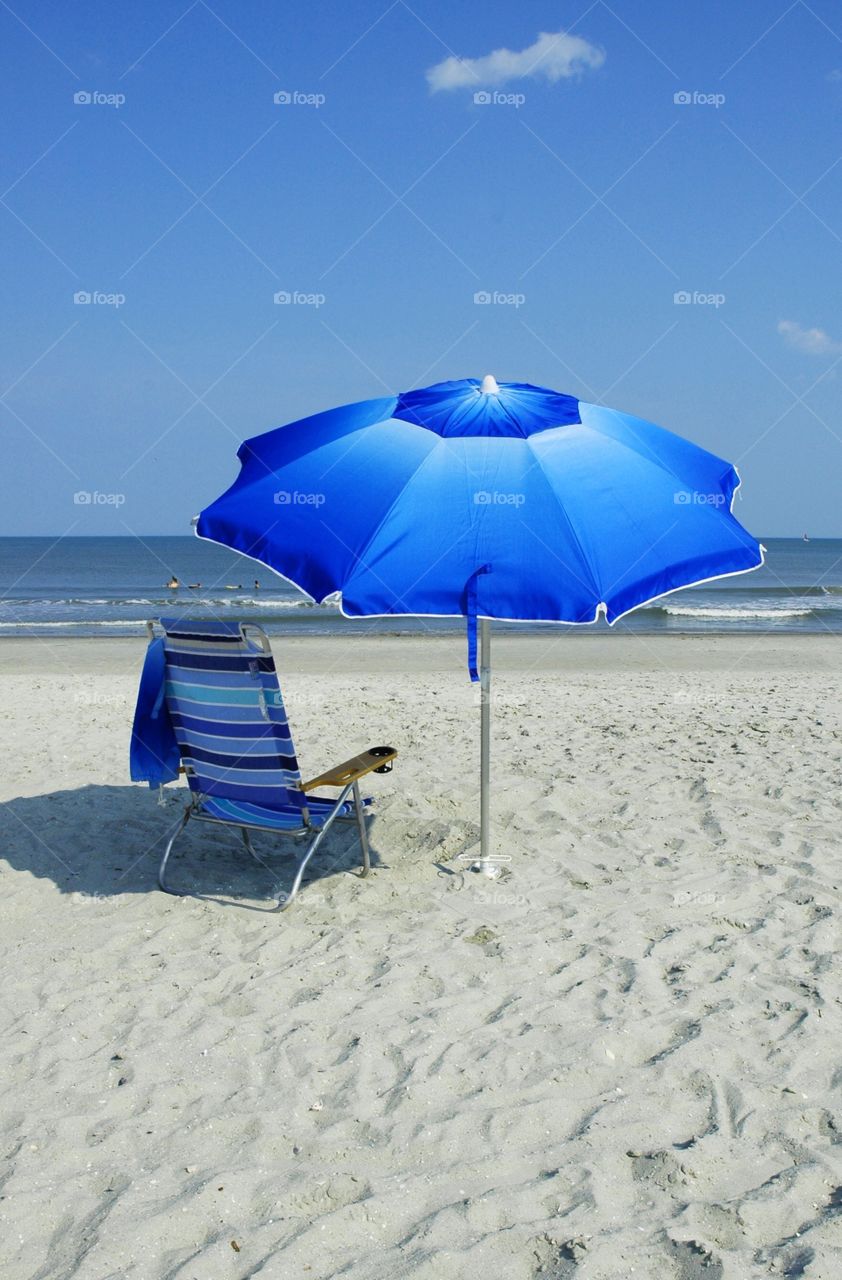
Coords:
287,901
359,808
283,902
162,870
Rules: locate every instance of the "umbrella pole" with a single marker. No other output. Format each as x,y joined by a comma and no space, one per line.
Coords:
485,866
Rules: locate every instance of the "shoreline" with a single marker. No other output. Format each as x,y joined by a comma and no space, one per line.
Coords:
533,654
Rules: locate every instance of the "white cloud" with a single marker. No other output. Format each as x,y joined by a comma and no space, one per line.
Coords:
813,342
555,57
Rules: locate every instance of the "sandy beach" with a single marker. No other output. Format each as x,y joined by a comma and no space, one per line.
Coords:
622,1058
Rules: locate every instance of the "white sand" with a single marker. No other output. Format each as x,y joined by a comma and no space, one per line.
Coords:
624,1059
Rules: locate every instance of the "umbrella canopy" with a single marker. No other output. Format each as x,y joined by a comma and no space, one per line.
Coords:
571,509
482,500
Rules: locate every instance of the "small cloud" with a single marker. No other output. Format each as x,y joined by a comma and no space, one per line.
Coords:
834,76
554,56
813,342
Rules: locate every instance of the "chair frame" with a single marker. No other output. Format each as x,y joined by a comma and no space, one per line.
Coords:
346,776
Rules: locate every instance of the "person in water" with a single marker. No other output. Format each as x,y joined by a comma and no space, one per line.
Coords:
173,583
256,585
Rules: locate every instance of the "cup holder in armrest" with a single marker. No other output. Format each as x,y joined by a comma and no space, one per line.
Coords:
382,751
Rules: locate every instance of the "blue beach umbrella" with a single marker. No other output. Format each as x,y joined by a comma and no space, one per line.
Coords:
484,501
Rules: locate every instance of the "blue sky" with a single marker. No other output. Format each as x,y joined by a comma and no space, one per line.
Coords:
382,198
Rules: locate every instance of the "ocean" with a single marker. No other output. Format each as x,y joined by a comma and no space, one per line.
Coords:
111,586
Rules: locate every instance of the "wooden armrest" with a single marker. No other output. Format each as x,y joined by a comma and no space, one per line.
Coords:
340,775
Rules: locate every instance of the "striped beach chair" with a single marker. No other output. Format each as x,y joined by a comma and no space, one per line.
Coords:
228,716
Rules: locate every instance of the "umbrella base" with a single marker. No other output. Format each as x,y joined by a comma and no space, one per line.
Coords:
486,868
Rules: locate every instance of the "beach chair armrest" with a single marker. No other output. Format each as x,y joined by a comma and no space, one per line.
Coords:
375,760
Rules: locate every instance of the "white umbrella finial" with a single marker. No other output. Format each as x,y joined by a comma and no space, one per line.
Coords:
489,385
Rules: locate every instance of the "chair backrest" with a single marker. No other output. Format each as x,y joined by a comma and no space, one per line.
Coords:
227,712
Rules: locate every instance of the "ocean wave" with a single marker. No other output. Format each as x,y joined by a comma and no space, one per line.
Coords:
289,604
233,602
693,611
76,622
163,602
789,592
8,601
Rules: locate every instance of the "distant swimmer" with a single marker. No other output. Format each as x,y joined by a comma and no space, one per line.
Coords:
193,586
256,585
173,583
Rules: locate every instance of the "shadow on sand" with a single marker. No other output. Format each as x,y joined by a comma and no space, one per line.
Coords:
103,841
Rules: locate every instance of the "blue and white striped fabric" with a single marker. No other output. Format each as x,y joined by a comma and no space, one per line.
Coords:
228,715
244,812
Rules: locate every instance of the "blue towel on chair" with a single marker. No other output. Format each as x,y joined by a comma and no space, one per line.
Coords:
154,756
